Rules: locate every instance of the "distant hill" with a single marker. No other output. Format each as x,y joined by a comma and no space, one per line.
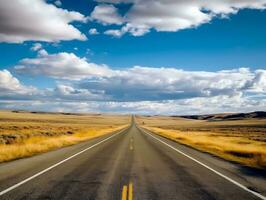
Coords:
51,113
228,116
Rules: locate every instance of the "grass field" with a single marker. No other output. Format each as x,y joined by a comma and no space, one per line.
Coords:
242,141
24,134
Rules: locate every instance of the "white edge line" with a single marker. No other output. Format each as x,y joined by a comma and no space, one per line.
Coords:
57,164
211,169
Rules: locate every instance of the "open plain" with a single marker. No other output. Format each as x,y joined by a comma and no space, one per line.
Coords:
239,140
24,134
133,163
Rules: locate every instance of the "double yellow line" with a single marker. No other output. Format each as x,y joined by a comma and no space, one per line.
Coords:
127,192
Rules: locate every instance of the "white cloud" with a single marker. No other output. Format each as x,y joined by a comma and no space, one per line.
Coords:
37,20
62,65
93,31
68,92
145,91
258,83
36,47
11,86
203,105
144,83
8,82
12,89
128,28
115,1
173,15
115,33
42,52
106,14
92,87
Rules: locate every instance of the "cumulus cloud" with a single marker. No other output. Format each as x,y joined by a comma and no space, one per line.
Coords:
115,33
144,83
37,20
141,90
10,87
171,15
257,83
202,105
93,31
36,47
128,28
68,92
106,14
62,65
88,86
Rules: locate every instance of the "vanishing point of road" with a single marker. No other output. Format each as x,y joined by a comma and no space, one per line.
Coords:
130,164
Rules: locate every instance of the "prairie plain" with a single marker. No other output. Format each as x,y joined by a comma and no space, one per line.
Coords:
239,140
24,134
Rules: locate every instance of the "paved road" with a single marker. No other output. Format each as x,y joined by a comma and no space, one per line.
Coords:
128,165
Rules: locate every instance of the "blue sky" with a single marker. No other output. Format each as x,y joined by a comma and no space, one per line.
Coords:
120,56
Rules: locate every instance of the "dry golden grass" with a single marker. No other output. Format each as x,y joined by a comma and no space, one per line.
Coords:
242,141
26,134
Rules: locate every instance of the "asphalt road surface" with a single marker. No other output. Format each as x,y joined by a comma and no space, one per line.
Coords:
132,164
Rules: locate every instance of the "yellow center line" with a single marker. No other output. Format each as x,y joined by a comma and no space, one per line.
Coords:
130,191
127,192
124,193
131,144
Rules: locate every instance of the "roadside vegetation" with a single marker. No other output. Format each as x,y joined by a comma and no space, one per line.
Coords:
24,134
242,141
